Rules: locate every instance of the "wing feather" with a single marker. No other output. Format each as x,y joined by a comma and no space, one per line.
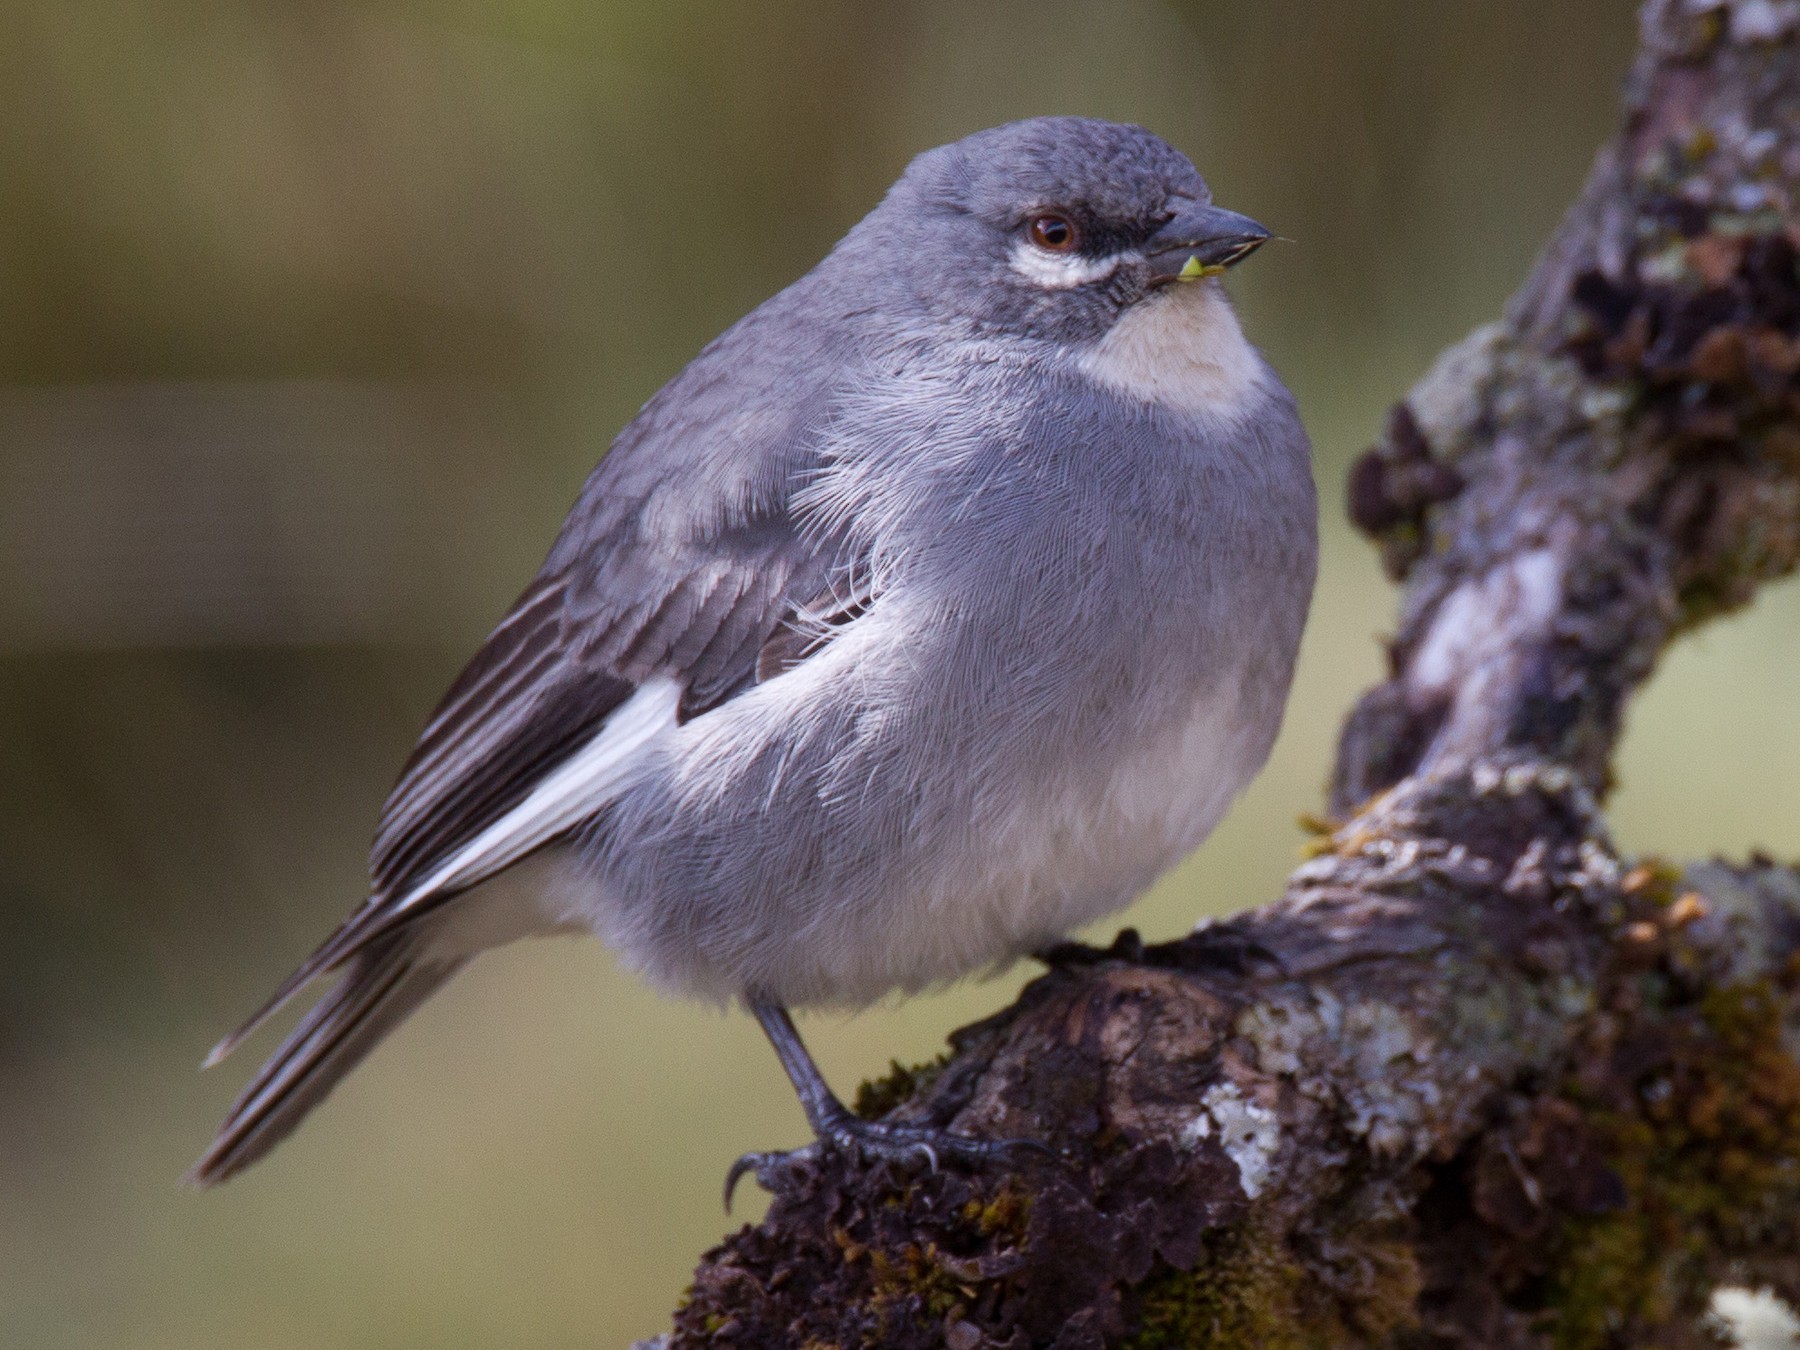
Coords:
681,559
485,758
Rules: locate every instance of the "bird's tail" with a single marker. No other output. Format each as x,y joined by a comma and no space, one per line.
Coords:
380,985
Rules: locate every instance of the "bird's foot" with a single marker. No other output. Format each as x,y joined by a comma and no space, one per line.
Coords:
881,1141
1128,946
1220,946
1225,947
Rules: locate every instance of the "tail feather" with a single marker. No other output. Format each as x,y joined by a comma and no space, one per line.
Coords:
381,985
359,929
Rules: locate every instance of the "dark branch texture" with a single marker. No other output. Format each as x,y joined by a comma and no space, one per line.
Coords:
1474,1080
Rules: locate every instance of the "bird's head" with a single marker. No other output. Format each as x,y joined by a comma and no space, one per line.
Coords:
1057,227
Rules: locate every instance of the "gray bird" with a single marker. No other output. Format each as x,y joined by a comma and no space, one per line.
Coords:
935,609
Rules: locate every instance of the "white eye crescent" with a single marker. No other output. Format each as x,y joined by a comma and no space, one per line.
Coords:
1062,271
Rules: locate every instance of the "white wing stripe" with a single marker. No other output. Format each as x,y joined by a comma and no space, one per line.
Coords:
574,789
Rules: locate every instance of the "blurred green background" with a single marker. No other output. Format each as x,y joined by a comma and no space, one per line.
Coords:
313,315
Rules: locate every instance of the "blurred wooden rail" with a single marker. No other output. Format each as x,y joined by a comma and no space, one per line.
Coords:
190,514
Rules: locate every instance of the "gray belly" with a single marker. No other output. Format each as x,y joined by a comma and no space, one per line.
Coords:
775,876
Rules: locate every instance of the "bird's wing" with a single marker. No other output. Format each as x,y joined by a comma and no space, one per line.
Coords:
592,657
680,563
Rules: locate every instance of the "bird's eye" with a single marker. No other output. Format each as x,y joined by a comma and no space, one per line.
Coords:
1055,232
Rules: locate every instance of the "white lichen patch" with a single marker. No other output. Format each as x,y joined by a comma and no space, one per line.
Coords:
1605,402
1284,1027
1376,1056
1535,776
1571,996
1383,1035
1313,870
1249,1133
1552,780
1448,404
1485,619
1764,20
1751,1317
1387,1102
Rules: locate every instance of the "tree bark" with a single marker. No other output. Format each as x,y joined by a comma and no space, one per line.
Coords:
1473,1080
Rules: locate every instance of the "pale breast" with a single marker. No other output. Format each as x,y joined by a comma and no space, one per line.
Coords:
1183,349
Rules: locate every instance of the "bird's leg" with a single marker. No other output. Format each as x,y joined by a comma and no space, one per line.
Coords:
830,1119
840,1128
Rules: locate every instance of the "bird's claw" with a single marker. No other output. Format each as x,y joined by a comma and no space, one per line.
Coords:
873,1141
769,1169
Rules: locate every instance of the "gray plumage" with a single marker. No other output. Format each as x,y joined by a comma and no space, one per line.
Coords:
938,606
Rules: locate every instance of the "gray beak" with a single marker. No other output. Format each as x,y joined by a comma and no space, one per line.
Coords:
1201,241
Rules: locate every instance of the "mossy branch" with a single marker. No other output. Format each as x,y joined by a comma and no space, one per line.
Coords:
1473,1080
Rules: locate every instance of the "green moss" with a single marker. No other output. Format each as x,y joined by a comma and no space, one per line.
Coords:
916,1285
1249,1292
1762,548
1654,879
878,1096
1245,1291
915,1272
1701,1161
1006,1214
